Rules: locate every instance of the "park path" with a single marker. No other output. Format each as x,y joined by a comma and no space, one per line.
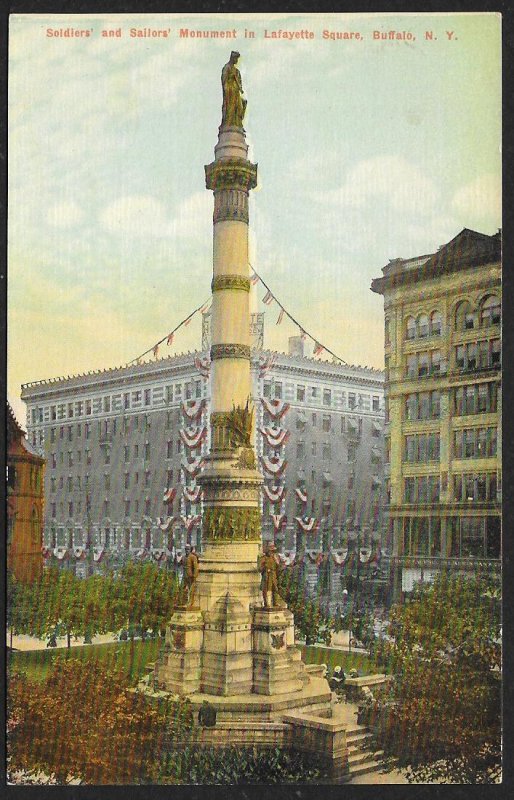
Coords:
31,643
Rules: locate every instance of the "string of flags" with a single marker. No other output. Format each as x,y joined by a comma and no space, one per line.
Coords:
170,336
269,298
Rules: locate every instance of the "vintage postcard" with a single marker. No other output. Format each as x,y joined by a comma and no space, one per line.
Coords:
254,377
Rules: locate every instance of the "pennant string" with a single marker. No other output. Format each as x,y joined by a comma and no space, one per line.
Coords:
169,336
318,348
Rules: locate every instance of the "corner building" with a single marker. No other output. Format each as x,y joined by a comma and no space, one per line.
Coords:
443,408
120,468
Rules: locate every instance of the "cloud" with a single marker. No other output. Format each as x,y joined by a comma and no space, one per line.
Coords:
479,203
391,177
65,215
136,215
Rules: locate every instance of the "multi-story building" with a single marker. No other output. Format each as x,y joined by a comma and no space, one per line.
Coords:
25,477
443,406
124,447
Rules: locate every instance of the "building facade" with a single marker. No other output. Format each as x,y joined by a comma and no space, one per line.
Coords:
443,407
125,446
25,504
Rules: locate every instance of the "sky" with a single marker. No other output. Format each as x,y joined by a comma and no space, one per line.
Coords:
367,149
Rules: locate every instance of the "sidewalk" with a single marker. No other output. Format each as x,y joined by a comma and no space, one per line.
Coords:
31,643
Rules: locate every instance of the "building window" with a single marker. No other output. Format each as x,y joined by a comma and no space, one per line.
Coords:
147,451
267,389
53,508
422,447
327,452
300,450
53,413
475,443
376,403
300,394
490,312
352,453
69,484
87,430
136,451
422,489
343,424
314,392
148,397
70,433
107,404
436,323
423,326
326,423
470,487
314,420
352,400
327,397
70,458
314,449
486,353
169,450
52,435
423,405
107,482
88,407
410,328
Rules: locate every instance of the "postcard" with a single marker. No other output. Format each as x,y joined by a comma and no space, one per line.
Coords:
254,380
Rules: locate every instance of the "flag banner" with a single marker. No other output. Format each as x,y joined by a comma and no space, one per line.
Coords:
169,495
254,279
193,467
193,436
279,521
275,494
301,494
313,555
98,553
287,558
339,557
192,494
303,334
307,524
280,316
275,408
203,365
79,552
268,298
165,524
275,436
155,351
61,552
169,340
318,348
187,321
192,408
190,521
141,554
275,465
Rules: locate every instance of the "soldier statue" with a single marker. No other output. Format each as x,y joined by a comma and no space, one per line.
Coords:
234,106
269,567
191,568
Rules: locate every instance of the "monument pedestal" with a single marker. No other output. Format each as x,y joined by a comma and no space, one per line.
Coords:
178,669
277,664
227,649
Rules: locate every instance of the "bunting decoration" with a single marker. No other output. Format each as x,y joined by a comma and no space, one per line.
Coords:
179,556
165,524
192,494
98,553
169,495
301,494
193,409
193,467
193,436
275,465
275,493
279,521
190,521
203,366
169,340
141,553
46,552
155,350
307,524
339,557
268,298
159,555
287,558
265,363
275,436
254,279
318,348
79,553
61,552
275,408
316,557
280,317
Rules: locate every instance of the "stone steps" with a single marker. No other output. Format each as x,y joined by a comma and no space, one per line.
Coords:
361,760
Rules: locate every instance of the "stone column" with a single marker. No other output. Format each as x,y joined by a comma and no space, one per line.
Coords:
229,581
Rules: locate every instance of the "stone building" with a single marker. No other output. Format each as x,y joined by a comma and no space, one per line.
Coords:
443,407
124,447
25,503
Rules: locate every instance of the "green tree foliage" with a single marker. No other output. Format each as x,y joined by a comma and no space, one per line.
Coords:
84,722
235,765
310,622
442,720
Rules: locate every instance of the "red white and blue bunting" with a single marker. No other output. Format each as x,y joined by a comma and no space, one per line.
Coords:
274,435
301,494
274,465
193,408
193,436
275,408
307,524
203,365
192,493
190,521
279,521
169,495
275,493
165,524
193,467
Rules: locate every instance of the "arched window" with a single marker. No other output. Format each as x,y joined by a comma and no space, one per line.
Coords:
491,311
436,323
465,317
423,326
411,328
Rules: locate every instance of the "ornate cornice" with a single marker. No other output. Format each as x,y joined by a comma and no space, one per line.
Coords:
230,351
238,282
231,173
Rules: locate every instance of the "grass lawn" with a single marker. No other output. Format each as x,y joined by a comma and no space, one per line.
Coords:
36,663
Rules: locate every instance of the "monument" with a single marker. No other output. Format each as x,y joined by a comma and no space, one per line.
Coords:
231,643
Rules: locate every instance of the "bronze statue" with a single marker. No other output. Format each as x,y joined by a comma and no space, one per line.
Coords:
191,568
234,105
269,567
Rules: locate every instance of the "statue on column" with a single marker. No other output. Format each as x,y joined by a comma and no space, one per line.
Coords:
234,106
269,566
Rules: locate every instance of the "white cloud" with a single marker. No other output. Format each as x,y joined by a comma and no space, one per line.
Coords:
405,186
65,215
136,215
479,202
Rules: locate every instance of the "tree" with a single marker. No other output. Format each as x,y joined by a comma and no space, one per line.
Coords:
309,620
442,718
84,721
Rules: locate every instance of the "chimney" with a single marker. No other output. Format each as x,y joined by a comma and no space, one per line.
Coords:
296,346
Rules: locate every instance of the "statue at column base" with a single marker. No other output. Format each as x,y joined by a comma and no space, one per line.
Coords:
269,566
